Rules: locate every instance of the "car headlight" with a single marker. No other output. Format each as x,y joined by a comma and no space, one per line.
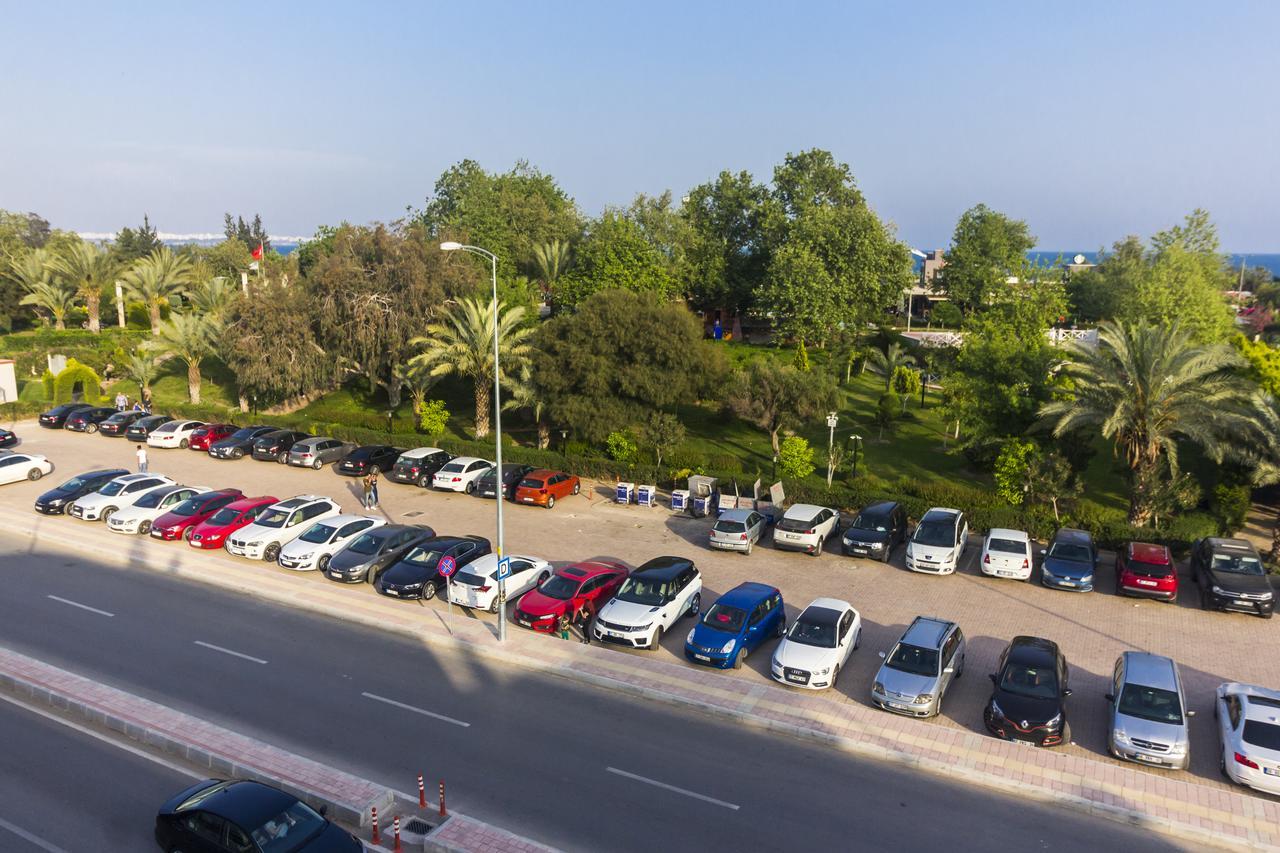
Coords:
1217,590
1087,579
57,502
412,586
923,699
1054,722
257,544
1266,596
826,670
306,556
548,616
875,546
996,710
727,648
689,638
1120,737
878,687
951,555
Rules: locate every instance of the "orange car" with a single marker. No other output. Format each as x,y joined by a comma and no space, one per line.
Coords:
543,486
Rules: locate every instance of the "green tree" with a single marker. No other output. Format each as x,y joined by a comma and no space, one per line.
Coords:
433,416
777,397
526,394
664,432
726,255
801,360
22,231
214,298
1012,469
1264,363
1051,480
614,255
52,298
190,338
550,261
1147,388
906,384
250,345
142,366
250,235
156,280
227,259
89,270
946,315
813,179
795,458
987,248
800,293
887,412
462,344
620,447
132,244
886,362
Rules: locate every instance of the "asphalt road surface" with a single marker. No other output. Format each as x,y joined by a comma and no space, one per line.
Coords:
576,767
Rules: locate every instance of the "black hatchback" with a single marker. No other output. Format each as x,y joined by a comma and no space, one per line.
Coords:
119,423
55,501
369,459
275,446
87,420
876,531
56,418
1231,577
143,427
417,573
512,474
240,442
1029,702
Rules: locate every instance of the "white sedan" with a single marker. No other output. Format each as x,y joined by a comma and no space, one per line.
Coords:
817,645
173,433
152,505
460,475
476,585
322,540
1006,554
1249,731
23,466
805,527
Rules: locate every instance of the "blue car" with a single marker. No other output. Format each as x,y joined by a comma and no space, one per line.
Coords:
1070,561
736,625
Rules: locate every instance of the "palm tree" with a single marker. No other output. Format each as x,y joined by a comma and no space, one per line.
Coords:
1147,388
87,268
463,344
887,362
156,279
524,394
213,299
551,259
142,367
54,298
192,338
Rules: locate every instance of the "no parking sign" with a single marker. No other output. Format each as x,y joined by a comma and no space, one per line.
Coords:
448,566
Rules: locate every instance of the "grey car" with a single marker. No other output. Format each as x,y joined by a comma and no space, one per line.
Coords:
920,667
318,452
365,556
1148,712
737,530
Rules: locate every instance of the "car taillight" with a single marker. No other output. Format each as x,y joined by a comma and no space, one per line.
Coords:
1026,564
811,531
986,558
743,537
542,491
484,588
306,456
413,470
1246,761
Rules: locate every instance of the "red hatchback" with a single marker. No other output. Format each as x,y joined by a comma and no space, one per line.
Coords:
565,592
208,434
544,487
214,530
178,522
1146,570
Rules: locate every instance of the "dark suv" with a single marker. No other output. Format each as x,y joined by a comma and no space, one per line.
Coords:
876,531
275,446
240,442
1028,702
1231,577
87,420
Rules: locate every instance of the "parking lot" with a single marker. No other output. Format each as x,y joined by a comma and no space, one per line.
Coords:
1092,628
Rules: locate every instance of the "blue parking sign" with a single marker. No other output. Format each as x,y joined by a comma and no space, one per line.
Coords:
504,568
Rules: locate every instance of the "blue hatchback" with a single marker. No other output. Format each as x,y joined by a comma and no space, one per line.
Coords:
1070,561
736,625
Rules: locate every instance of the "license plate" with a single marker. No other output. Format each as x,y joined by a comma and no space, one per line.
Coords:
391,592
612,634
1244,602
857,550
900,706
1271,771
1067,583
703,657
1004,573
1147,583
1147,758
796,678
524,622
289,564
1021,742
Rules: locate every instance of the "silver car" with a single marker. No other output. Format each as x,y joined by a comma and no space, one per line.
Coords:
318,452
1149,712
920,667
737,530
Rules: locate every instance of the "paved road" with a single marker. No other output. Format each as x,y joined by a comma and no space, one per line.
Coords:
579,768
61,790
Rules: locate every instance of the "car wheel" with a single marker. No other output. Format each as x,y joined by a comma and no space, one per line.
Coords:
577,487
184,444
34,474
835,675
1204,599
657,639
471,488
857,640
429,591
959,669
493,606
1222,766
91,428
317,465
551,501
1266,615
187,533
739,658
695,604
374,470
144,527
282,457
107,513
272,553
542,578
1066,733
239,454
424,482
750,544
323,563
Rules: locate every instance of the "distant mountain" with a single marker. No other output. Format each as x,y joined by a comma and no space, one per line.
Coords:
284,244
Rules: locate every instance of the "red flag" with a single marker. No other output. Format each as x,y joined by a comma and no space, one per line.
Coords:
257,253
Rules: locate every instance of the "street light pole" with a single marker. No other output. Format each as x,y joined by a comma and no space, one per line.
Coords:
832,419
451,246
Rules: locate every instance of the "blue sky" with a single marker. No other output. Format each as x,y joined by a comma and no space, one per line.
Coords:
1089,120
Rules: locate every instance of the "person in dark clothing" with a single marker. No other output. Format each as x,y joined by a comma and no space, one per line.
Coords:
582,619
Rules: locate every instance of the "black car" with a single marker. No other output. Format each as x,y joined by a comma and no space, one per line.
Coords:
1029,702
274,446
512,474
240,442
417,573
239,816
1231,577
119,423
87,420
372,551
54,501
56,417
876,531
419,465
371,458
143,427
8,438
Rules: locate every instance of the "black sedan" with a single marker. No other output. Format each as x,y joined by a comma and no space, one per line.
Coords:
1029,702
8,438
240,442
372,551
119,423
143,427
369,459
239,815
54,501
87,420
56,418
512,474
417,573
275,446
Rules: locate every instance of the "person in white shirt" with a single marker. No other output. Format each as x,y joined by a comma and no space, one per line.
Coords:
142,459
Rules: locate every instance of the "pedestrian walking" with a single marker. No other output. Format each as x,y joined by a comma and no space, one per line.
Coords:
562,626
146,401
583,620
373,488
142,459
367,482
122,402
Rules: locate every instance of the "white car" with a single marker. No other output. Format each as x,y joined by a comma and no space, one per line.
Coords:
123,491
23,466
149,507
938,542
280,524
322,540
649,602
173,434
460,475
476,584
818,644
1249,730
805,527
1006,554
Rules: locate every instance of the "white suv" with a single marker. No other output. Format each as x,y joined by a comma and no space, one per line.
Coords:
123,491
280,524
649,602
460,475
149,507
322,540
938,542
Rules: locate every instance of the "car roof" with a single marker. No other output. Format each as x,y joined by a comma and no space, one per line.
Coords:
467,460
736,514
1145,552
248,804
133,478
250,503
926,632
102,472
664,568
155,418
299,500
1008,533
447,541
346,518
830,604
803,511
541,473
419,452
1149,670
588,569
1035,650
878,508
1074,536
1221,544
746,595
941,513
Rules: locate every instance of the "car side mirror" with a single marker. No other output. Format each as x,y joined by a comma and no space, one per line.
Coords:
1110,697
993,678
1043,552
1191,713
881,654
323,810
1066,691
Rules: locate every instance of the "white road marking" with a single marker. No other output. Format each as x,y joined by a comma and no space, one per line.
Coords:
32,839
673,788
229,651
416,710
81,606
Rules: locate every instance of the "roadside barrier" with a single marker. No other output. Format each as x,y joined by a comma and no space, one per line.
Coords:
422,793
442,811
396,823
377,839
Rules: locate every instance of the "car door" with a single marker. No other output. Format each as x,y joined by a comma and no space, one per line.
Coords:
757,626
1117,686
962,536
1229,715
12,470
348,530
201,832
948,661
522,578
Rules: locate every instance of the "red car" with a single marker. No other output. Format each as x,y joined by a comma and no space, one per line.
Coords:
180,521
591,583
1146,570
208,434
544,487
214,530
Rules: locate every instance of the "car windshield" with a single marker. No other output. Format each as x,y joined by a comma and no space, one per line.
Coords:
226,515
167,427
724,618
797,525
1150,703
916,660
452,468
935,533
151,500
366,543
528,483
468,579
878,523
242,434
732,527
189,507
1262,735
1008,546
810,632
290,830
1237,564
318,533
407,461
642,591
111,489
559,587
274,518
1070,552
1149,570
73,484
1034,682
421,556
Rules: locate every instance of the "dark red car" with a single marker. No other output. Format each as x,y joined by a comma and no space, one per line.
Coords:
590,583
214,530
180,521
1146,570
208,434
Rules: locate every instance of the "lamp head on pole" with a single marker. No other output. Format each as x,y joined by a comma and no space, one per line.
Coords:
450,246
832,419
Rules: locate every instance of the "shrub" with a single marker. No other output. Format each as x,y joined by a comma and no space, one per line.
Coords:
795,458
432,415
946,314
1230,506
620,447
1011,470
801,360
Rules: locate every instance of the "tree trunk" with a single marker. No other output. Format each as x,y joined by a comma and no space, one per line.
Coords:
154,309
482,408
244,403
773,440
395,390
193,381
92,304
59,323
544,435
